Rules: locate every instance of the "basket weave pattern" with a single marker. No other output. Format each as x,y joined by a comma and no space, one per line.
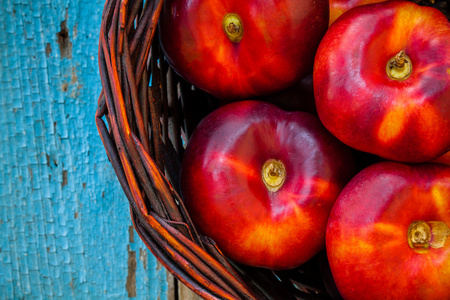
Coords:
145,116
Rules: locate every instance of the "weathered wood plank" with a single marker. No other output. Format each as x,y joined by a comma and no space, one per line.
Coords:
185,293
65,230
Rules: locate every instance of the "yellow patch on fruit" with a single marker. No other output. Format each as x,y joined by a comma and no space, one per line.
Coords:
239,166
405,21
389,235
387,229
322,186
393,123
440,196
407,115
274,232
351,247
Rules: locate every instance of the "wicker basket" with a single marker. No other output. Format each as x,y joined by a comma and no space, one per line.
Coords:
144,129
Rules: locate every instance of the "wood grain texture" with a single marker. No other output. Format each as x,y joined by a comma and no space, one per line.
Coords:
65,228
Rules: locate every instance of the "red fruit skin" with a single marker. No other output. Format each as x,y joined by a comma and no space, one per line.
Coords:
406,121
277,49
366,238
444,159
338,7
227,200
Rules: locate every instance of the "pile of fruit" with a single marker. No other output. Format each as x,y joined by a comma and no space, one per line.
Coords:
333,132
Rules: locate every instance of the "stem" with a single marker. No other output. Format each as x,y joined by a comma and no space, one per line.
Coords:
399,67
233,28
424,235
273,174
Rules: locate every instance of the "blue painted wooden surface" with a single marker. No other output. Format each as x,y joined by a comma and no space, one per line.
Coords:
65,230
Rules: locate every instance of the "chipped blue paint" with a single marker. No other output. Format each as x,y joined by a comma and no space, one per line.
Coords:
64,220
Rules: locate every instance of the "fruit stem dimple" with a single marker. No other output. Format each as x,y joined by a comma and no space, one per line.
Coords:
424,235
399,67
399,60
273,174
233,27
